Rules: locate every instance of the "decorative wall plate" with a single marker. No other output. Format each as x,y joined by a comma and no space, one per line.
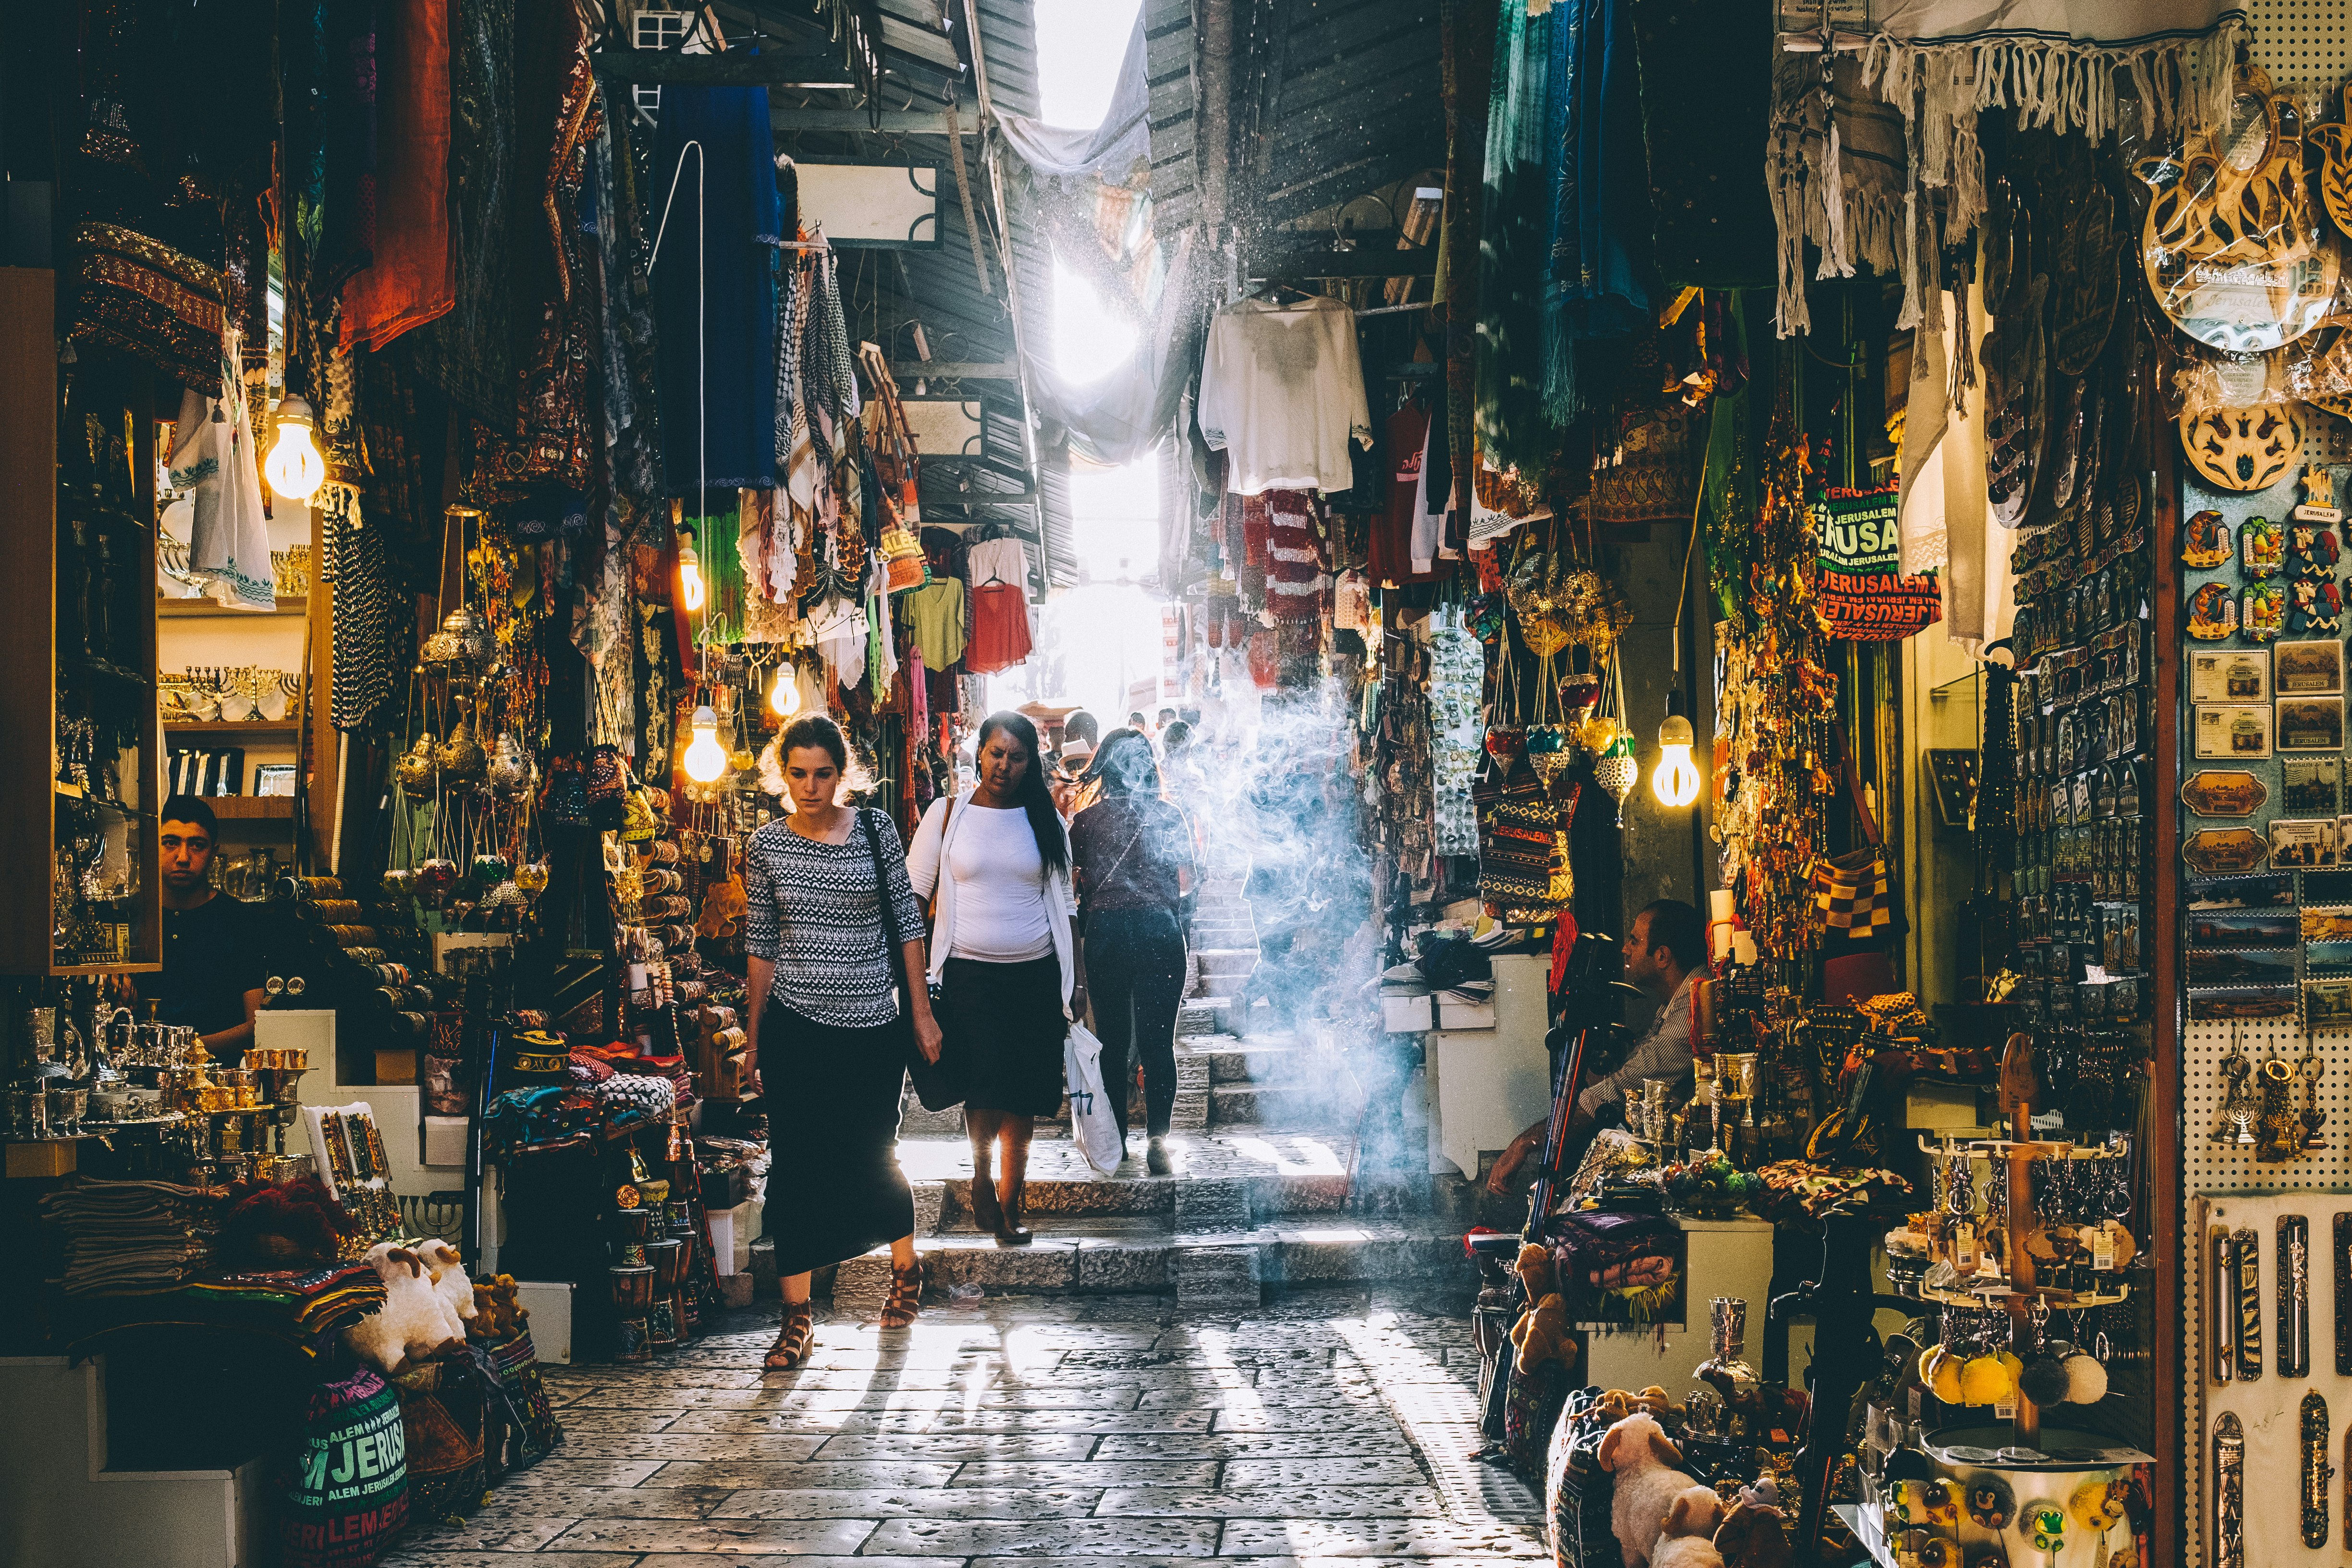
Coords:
2229,245
2088,278
2224,792
2250,447
2219,851
2335,143
2016,412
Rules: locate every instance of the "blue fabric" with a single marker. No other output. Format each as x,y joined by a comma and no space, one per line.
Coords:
715,289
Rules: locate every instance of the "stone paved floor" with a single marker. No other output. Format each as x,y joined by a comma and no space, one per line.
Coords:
1335,1424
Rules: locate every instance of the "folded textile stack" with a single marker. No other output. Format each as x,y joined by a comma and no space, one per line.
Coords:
131,1237
306,1305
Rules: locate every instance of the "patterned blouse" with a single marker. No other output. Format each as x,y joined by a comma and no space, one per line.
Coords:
812,910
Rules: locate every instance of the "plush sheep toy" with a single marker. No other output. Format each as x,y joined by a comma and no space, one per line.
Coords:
449,1276
1685,1540
1635,1450
415,1323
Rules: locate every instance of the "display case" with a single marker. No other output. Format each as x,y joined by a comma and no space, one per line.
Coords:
79,741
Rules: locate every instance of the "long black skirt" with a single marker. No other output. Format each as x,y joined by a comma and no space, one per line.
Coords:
834,1188
1004,1033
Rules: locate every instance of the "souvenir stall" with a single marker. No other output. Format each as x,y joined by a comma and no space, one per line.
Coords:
450,551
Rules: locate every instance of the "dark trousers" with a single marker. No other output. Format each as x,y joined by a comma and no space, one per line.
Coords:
1135,977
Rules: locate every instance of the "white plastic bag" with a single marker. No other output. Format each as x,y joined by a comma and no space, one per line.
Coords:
1094,1125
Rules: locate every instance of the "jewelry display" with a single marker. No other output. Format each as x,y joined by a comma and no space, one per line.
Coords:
2246,1270
2293,1269
2343,1296
2229,1492
2317,1470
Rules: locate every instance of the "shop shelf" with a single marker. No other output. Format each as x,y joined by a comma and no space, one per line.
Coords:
232,727
172,608
232,807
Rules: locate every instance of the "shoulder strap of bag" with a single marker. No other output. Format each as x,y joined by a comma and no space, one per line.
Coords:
938,885
890,937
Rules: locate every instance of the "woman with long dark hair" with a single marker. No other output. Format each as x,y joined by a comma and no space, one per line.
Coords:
1135,861
1001,955
828,1019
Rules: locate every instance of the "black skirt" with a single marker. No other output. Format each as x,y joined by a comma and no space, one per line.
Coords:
834,1188
1004,1033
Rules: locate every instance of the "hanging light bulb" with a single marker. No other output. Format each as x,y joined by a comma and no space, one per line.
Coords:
295,469
784,695
689,572
1674,781
705,758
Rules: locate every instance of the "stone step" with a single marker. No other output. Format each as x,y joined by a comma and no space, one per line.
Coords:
1289,1105
1230,964
1207,1013
1221,1183
1208,1271
1230,1060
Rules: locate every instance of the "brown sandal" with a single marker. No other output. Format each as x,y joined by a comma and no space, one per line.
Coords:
795,1337
906,1296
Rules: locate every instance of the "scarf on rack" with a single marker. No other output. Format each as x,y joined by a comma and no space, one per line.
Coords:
2062,65
213,460
470,351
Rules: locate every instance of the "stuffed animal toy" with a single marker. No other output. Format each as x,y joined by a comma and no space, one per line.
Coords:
1686,1551
1535,1271
1541,1333
1636,1452
1616,1404
1697,1510
500,1311
415,1323
1750,1536
448,1271
1652,1401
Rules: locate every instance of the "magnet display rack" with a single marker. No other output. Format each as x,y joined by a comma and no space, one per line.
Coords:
2317,1184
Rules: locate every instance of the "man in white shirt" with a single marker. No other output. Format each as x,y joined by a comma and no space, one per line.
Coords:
1664,954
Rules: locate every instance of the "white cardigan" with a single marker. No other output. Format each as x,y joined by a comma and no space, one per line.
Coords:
927,859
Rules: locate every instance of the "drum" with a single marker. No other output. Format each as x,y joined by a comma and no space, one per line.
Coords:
633,1289
668,1259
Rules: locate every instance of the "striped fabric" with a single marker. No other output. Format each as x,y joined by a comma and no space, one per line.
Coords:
812,910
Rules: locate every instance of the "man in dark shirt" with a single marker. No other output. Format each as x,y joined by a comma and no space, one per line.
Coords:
212,952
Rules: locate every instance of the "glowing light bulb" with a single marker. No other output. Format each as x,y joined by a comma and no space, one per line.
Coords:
689,573
784,697
294,468
1674,781
705,758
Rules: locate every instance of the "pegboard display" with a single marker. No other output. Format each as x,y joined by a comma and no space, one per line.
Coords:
2296,40
2316,1182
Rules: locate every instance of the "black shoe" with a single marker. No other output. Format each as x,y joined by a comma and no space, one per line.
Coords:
1157,1158
1014,1231
987,1214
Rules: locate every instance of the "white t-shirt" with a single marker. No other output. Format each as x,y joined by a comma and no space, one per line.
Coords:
1000,886
1282,392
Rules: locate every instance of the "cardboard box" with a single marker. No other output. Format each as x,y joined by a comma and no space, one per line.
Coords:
548,1302
444,1140
1412,1015
395,1066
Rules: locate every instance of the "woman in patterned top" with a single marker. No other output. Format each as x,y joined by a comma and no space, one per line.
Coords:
831,1023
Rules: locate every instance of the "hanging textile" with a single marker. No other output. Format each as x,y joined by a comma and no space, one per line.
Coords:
470,351
364,605
1513,250
714,287
212,458
1834,168
632,433
1705,139
1466,67
1458,675
347,95
1859,593
1282,390
409,281
150,301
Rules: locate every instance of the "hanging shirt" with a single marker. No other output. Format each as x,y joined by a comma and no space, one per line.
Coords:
1389,557
1282,392
937,611
998,561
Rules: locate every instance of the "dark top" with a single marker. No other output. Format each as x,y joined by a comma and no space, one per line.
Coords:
212,957
1129,849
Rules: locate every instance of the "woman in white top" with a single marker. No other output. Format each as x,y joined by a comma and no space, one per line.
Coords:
1002,959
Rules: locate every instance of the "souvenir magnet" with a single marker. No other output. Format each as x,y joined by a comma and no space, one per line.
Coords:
2261,549
2222,851
2212,612
2224,792
2261,612
2206,541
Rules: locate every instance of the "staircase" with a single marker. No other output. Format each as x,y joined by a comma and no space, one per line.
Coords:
1264,1137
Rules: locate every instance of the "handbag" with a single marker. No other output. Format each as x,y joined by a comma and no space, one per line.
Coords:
937,1084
